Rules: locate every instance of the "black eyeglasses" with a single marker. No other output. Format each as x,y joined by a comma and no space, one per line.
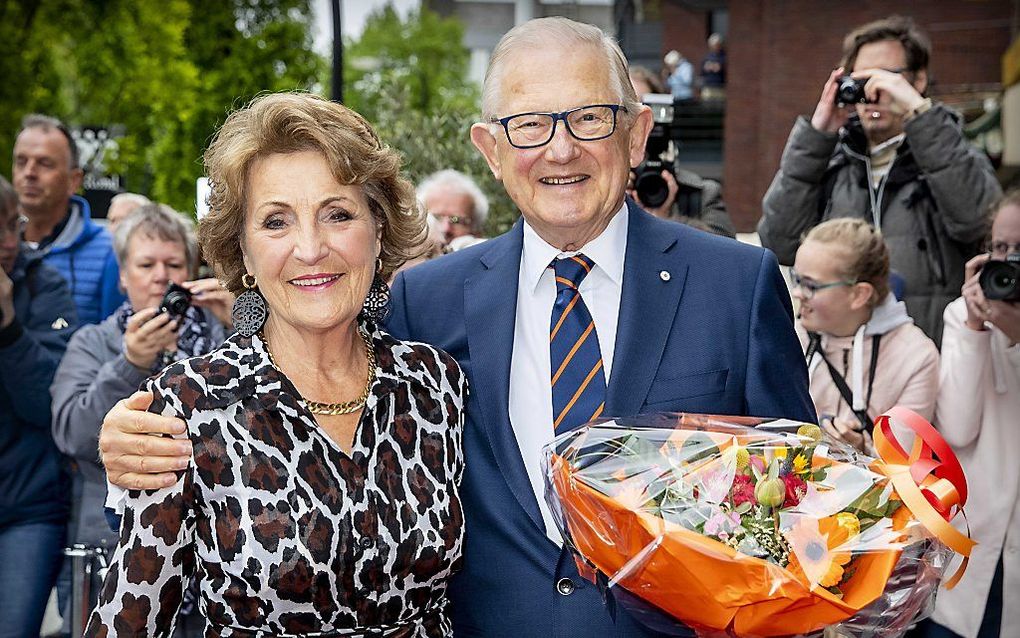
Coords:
585,123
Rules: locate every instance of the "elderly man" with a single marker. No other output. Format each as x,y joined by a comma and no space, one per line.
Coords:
60,228
663,317
456,206
122,205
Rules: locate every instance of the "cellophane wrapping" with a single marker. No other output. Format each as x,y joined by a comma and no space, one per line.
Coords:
732,526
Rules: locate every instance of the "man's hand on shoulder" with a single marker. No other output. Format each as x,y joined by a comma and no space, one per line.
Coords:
136,448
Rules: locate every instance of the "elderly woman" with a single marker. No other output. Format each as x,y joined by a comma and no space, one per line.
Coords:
322,495
108,361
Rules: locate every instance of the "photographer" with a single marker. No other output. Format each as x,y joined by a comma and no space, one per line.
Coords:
978,404
108,361
678,193
894,158
37,317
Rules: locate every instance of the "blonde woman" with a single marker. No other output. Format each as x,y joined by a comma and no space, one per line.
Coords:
864,353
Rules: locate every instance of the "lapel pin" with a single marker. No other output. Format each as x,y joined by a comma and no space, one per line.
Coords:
664,275
59,324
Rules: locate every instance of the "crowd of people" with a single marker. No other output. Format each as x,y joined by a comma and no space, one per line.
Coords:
349,418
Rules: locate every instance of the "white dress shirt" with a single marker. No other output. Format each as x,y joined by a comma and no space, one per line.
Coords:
530,388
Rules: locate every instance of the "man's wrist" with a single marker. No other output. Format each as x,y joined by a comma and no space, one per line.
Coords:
923,105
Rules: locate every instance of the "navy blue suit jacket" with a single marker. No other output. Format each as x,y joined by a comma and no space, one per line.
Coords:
715,336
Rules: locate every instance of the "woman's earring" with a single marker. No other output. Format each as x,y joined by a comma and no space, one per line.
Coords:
377,300
250,310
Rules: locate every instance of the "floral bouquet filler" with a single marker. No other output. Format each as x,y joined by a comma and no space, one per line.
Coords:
733,526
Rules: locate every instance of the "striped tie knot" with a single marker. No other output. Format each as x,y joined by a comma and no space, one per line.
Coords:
571,271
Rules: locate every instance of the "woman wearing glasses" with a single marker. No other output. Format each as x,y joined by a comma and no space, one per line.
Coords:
864,353
978,408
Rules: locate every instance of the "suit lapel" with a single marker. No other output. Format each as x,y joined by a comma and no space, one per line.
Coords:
648,307
490,305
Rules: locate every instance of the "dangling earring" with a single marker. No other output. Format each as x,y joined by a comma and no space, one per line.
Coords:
250,310
377,300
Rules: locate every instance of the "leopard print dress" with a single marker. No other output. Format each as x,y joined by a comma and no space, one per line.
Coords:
287,534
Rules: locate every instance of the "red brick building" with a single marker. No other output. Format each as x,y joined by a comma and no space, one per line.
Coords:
779,53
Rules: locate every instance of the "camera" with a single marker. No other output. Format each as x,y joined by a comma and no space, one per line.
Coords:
1000,279
651,188
850,91
176,301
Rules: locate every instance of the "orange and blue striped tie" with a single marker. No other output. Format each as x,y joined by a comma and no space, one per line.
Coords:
578,380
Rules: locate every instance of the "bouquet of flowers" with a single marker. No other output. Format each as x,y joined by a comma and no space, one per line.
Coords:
748,527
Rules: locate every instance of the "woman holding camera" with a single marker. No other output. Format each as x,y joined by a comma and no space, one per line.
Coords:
978,413
864,353
155,247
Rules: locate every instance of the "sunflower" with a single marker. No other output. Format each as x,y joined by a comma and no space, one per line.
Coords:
814,558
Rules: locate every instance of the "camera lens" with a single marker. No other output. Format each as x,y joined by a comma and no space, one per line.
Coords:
1000,280
849,91
651,189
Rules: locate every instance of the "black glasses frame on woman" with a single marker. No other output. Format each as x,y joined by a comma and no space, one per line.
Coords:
515,125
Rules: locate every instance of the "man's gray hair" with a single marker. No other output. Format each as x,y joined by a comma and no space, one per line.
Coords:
157,221
563,33
461,183
48,123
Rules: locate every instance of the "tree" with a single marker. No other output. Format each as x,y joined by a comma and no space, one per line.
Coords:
166,73
409,78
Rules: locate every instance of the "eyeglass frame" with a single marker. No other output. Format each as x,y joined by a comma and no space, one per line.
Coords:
562,115
1008,248
455,220
20,222
810,289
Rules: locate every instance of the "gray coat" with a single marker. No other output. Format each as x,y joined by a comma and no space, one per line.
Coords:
932,206
92,377
701,199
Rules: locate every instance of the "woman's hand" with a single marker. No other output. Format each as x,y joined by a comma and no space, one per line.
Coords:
848,431
147,334
6,299
133,451
210,293
978,307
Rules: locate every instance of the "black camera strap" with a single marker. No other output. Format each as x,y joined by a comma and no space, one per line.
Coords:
867,425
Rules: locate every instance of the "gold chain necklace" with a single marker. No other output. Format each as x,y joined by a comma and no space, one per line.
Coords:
346,407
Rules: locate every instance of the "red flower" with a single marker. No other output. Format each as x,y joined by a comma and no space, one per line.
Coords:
743,490
796,488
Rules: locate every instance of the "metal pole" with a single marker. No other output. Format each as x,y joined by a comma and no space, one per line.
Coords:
337,89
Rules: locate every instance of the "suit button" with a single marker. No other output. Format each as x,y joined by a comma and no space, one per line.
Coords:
367,543
565,586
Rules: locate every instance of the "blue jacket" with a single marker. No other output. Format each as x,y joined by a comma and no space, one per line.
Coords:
83,254
716,336
33,484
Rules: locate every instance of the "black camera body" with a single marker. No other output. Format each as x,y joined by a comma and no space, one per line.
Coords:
850,91
176,301
651,188
1000,279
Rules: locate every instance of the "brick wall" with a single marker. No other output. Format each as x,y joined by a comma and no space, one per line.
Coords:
780,52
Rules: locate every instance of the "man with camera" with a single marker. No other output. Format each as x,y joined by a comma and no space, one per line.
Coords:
665,189
877,148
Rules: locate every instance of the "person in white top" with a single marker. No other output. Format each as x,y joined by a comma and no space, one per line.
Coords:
978,412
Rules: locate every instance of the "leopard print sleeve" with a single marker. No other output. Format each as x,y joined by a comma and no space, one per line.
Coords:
154,559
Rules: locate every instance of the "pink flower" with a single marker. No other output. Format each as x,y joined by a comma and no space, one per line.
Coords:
722,524
796,488
743,490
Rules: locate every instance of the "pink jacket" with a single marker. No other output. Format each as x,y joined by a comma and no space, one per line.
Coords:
979,414
906,374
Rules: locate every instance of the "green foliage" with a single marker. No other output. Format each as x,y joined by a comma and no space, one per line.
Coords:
165,72
410,79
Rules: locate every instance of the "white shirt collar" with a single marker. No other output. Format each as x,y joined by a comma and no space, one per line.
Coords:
607,250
